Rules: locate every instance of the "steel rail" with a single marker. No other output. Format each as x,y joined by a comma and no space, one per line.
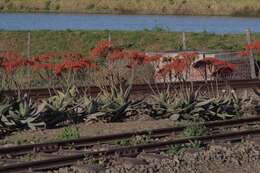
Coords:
89,141
72,159
143,88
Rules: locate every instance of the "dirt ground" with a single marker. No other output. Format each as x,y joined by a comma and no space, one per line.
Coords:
86,130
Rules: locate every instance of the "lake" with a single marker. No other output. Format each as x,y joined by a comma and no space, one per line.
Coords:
57,21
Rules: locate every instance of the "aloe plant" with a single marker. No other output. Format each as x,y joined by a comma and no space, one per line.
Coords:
189,106
59,108
165,104
20,113
111,105
87,105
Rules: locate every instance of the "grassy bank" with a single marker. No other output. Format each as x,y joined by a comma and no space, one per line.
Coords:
83,41
179,7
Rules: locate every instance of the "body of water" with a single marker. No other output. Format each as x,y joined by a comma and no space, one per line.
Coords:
53,21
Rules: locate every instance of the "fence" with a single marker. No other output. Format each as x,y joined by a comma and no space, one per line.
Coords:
243,68
33,43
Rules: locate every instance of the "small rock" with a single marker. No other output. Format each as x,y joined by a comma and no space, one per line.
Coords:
151,156
175,117
130,162
87,169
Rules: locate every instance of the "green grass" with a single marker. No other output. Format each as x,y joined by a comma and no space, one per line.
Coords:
69,133
179,7
83,41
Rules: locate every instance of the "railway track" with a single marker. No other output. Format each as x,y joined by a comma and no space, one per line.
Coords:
144,88
90,141
57,161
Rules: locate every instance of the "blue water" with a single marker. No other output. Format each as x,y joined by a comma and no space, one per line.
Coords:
53,21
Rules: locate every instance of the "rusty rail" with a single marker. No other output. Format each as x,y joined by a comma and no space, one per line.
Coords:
144,88
89,141
63,161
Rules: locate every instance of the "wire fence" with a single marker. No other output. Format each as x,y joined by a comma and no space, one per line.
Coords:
32,43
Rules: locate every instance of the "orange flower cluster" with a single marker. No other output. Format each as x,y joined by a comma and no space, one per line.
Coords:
183,62
220,67
255,46
137,58
72,65
116,54
61,62
106,50
180,64
46,57
10,61
224,69
189,57
101,49
56,62
177,65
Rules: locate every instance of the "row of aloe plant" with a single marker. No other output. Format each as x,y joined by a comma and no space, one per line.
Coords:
112,105
190,105
22,112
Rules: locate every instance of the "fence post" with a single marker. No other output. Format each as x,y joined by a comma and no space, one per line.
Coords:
205,70
184,46
29,45
28,57
251,56
109,36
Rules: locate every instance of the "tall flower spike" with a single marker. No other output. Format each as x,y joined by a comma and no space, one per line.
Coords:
101,49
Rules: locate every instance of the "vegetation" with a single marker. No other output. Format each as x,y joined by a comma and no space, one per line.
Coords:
194,130
83,41
179,7
175,150
69,133
179,149
105,65
135,140
193,107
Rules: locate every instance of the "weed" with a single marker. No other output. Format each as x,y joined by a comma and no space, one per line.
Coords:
28,157
195,144
21,141
93,161
69,133
194,130
180,149
175,150
135,140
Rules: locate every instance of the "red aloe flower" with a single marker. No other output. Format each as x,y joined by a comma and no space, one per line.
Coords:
135,56
189,57
11,61
72,65
244,53
45,57
224,69
40,67
149,59
101,49
254,45
178,66
116,54
210,61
